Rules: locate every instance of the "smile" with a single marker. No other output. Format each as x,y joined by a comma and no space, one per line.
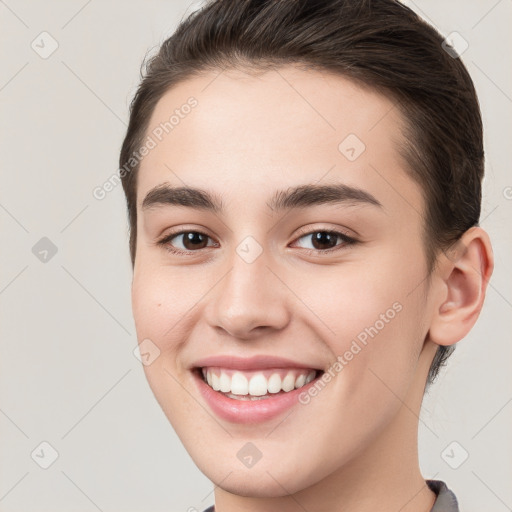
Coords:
252,390
258,384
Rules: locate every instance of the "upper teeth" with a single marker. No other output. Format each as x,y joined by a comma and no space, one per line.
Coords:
257,383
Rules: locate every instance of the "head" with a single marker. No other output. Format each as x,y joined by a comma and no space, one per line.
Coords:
280,95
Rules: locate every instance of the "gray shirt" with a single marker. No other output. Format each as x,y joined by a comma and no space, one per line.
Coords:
445,501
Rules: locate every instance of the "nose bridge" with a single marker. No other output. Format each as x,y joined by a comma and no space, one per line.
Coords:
249,297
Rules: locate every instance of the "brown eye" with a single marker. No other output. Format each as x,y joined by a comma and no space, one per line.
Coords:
190,241
194,240
327,240
322,240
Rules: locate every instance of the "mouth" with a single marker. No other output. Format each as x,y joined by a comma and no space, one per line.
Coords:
256,384
253,396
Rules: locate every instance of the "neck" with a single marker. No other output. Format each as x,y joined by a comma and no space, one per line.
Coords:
385,476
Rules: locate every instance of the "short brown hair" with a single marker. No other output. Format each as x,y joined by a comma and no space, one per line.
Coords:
380,43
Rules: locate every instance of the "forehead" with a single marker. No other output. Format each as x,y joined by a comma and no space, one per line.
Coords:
273,129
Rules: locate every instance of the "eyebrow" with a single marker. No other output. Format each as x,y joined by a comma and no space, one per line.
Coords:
301,196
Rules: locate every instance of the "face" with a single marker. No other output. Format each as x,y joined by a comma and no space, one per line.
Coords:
272,286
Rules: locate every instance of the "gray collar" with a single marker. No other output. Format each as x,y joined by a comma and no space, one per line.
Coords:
446,500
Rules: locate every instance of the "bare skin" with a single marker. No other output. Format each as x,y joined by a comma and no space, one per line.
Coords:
353,447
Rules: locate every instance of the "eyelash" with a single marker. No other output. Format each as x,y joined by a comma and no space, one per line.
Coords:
346,241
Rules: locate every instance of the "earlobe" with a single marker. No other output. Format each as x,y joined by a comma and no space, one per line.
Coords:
465,270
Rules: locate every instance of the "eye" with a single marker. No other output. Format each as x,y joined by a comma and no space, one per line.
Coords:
190,240
326,240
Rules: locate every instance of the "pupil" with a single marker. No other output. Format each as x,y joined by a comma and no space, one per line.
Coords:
323,237
194,238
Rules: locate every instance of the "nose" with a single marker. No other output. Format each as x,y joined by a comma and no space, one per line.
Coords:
250,300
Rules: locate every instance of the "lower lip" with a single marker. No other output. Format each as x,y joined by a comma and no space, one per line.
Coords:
249,411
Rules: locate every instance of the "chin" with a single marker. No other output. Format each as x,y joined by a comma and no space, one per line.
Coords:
256,486
257,482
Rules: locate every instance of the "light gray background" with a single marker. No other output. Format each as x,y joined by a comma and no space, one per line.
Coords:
68,373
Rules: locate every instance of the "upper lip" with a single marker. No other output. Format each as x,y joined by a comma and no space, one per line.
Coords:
258,362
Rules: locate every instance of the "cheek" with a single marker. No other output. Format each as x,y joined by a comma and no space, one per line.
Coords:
162,307
162,301
371,317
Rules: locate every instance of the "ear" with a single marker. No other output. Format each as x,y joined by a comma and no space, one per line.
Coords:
464,270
